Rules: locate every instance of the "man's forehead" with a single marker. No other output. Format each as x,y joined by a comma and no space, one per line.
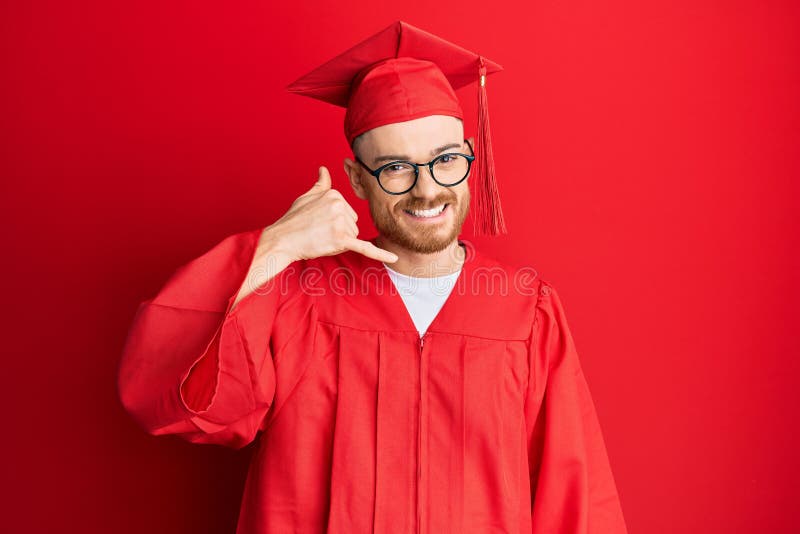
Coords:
419,137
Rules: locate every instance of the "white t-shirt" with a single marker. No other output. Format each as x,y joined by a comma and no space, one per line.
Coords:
423,297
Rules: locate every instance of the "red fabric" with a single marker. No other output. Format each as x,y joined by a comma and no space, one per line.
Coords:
398,90
486,426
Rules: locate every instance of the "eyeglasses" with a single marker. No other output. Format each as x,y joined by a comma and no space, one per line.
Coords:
399,177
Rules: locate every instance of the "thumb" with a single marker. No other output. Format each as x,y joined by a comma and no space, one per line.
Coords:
323,182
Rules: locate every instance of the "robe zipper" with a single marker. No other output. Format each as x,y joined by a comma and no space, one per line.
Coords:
419,438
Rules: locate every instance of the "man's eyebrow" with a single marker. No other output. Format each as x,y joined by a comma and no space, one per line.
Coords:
397,157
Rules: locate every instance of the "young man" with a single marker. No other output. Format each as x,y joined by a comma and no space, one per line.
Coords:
455,405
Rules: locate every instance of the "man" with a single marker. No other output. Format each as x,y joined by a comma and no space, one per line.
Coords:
454,405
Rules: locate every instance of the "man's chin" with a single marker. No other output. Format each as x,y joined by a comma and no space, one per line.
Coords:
422,241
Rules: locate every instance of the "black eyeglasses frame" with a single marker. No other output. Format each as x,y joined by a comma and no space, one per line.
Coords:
377,172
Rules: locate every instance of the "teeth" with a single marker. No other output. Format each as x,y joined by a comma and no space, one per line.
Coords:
427,213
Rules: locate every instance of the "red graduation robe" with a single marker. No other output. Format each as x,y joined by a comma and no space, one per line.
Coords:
485,424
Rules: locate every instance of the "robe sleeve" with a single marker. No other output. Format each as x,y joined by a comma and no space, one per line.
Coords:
193,367
572,487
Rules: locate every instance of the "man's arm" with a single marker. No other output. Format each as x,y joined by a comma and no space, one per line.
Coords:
197,361
188,328
268,261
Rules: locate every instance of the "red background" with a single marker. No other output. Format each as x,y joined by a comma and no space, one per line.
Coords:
648,159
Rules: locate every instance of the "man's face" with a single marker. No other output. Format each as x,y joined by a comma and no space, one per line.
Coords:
418,141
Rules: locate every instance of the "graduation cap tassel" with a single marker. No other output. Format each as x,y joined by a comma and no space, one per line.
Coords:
489,213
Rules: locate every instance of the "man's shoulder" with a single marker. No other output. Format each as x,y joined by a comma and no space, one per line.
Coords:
523,275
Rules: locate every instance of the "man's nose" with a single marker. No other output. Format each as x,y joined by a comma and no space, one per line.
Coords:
426,186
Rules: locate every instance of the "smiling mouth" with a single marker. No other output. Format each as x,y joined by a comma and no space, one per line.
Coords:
429,213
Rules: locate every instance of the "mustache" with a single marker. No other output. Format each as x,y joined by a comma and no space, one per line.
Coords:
421,204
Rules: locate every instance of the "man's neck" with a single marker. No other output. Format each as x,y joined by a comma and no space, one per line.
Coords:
424,265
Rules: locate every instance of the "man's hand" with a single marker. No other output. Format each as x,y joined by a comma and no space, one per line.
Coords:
319,222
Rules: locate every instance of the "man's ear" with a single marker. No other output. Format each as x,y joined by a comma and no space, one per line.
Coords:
354,174
472,143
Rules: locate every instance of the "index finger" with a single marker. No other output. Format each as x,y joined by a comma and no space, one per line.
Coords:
369,250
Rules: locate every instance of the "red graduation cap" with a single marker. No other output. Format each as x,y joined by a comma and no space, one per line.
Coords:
403,73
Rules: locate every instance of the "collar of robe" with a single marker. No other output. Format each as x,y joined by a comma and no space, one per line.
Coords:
488,300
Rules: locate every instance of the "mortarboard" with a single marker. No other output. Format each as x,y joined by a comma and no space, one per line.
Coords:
403,73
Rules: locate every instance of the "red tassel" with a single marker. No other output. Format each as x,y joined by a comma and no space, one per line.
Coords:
488,218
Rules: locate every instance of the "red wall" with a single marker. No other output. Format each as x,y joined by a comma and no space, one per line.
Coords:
648,160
